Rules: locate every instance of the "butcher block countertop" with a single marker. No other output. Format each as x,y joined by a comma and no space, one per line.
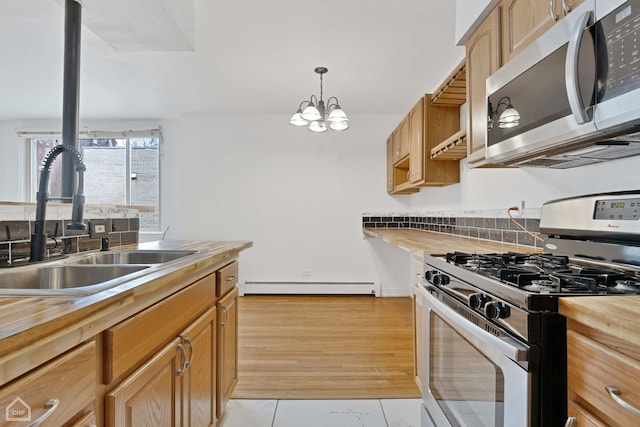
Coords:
615,316
32,328
439,243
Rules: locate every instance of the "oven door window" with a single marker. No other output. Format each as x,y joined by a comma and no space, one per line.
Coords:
467,386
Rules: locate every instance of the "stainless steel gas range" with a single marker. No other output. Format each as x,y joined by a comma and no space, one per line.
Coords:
496,352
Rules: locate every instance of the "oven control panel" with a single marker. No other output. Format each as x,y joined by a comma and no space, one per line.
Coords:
620,209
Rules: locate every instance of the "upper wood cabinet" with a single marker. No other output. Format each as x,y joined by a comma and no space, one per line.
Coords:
525,20
424,127
483,59
416,143
390,164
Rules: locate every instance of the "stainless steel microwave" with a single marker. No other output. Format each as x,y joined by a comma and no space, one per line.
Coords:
572,97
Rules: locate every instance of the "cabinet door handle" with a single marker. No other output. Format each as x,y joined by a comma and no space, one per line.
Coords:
614,393
226,315
190,344
571,422
553,15
566,7
180,371
230,278
50,406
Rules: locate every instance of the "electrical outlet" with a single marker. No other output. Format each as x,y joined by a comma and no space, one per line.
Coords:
520,210
305,273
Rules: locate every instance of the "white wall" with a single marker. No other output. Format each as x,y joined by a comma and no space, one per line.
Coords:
299,196
12,162
467,12
489,188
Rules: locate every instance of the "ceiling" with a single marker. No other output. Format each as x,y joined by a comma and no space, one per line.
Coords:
248,56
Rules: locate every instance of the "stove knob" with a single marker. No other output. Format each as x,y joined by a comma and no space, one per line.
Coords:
429,274
497,310
478,300
441,279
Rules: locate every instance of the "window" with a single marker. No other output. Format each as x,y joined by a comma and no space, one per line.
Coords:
120,170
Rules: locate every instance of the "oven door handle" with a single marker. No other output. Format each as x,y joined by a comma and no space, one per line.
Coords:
480,338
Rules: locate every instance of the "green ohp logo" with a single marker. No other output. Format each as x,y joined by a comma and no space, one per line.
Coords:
18,410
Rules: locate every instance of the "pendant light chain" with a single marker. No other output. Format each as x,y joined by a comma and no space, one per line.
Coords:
321,86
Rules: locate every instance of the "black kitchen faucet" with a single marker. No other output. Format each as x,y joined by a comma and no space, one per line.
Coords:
39,237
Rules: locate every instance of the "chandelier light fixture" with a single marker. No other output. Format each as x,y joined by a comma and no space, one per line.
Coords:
315,114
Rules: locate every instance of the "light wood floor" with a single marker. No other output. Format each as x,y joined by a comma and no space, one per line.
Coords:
325,347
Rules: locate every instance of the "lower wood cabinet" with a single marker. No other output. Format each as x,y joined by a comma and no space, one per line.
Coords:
595,364
419,346
175,388
173,363
58,392
418,343
150,397
88,420
227,348
199,379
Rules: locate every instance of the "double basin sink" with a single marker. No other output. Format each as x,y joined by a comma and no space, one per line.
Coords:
85,274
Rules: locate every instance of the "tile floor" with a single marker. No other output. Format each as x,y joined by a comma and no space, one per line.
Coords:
323,413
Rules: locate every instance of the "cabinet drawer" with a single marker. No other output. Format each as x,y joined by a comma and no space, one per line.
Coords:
128,343
71,379
227,278
593,366
582,417
89,420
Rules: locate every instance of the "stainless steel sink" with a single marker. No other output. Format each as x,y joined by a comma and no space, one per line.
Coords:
61,278
133,257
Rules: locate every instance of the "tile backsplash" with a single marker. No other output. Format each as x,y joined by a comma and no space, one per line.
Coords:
119,225
493,225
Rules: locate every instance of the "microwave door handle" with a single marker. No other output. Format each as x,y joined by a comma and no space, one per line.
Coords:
571,69
551,13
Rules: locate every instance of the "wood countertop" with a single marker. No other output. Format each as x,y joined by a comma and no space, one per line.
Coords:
439,243
616,316
34,328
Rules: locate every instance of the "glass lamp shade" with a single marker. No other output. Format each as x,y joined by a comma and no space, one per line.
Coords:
344,125
509,118
297,119
311,113
318,126
337,115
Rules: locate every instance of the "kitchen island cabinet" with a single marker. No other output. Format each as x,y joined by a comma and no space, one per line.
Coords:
40,395
150,396
227,345
152,344
603,360
178,381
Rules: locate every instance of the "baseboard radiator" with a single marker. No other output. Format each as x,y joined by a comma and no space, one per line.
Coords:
310,288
